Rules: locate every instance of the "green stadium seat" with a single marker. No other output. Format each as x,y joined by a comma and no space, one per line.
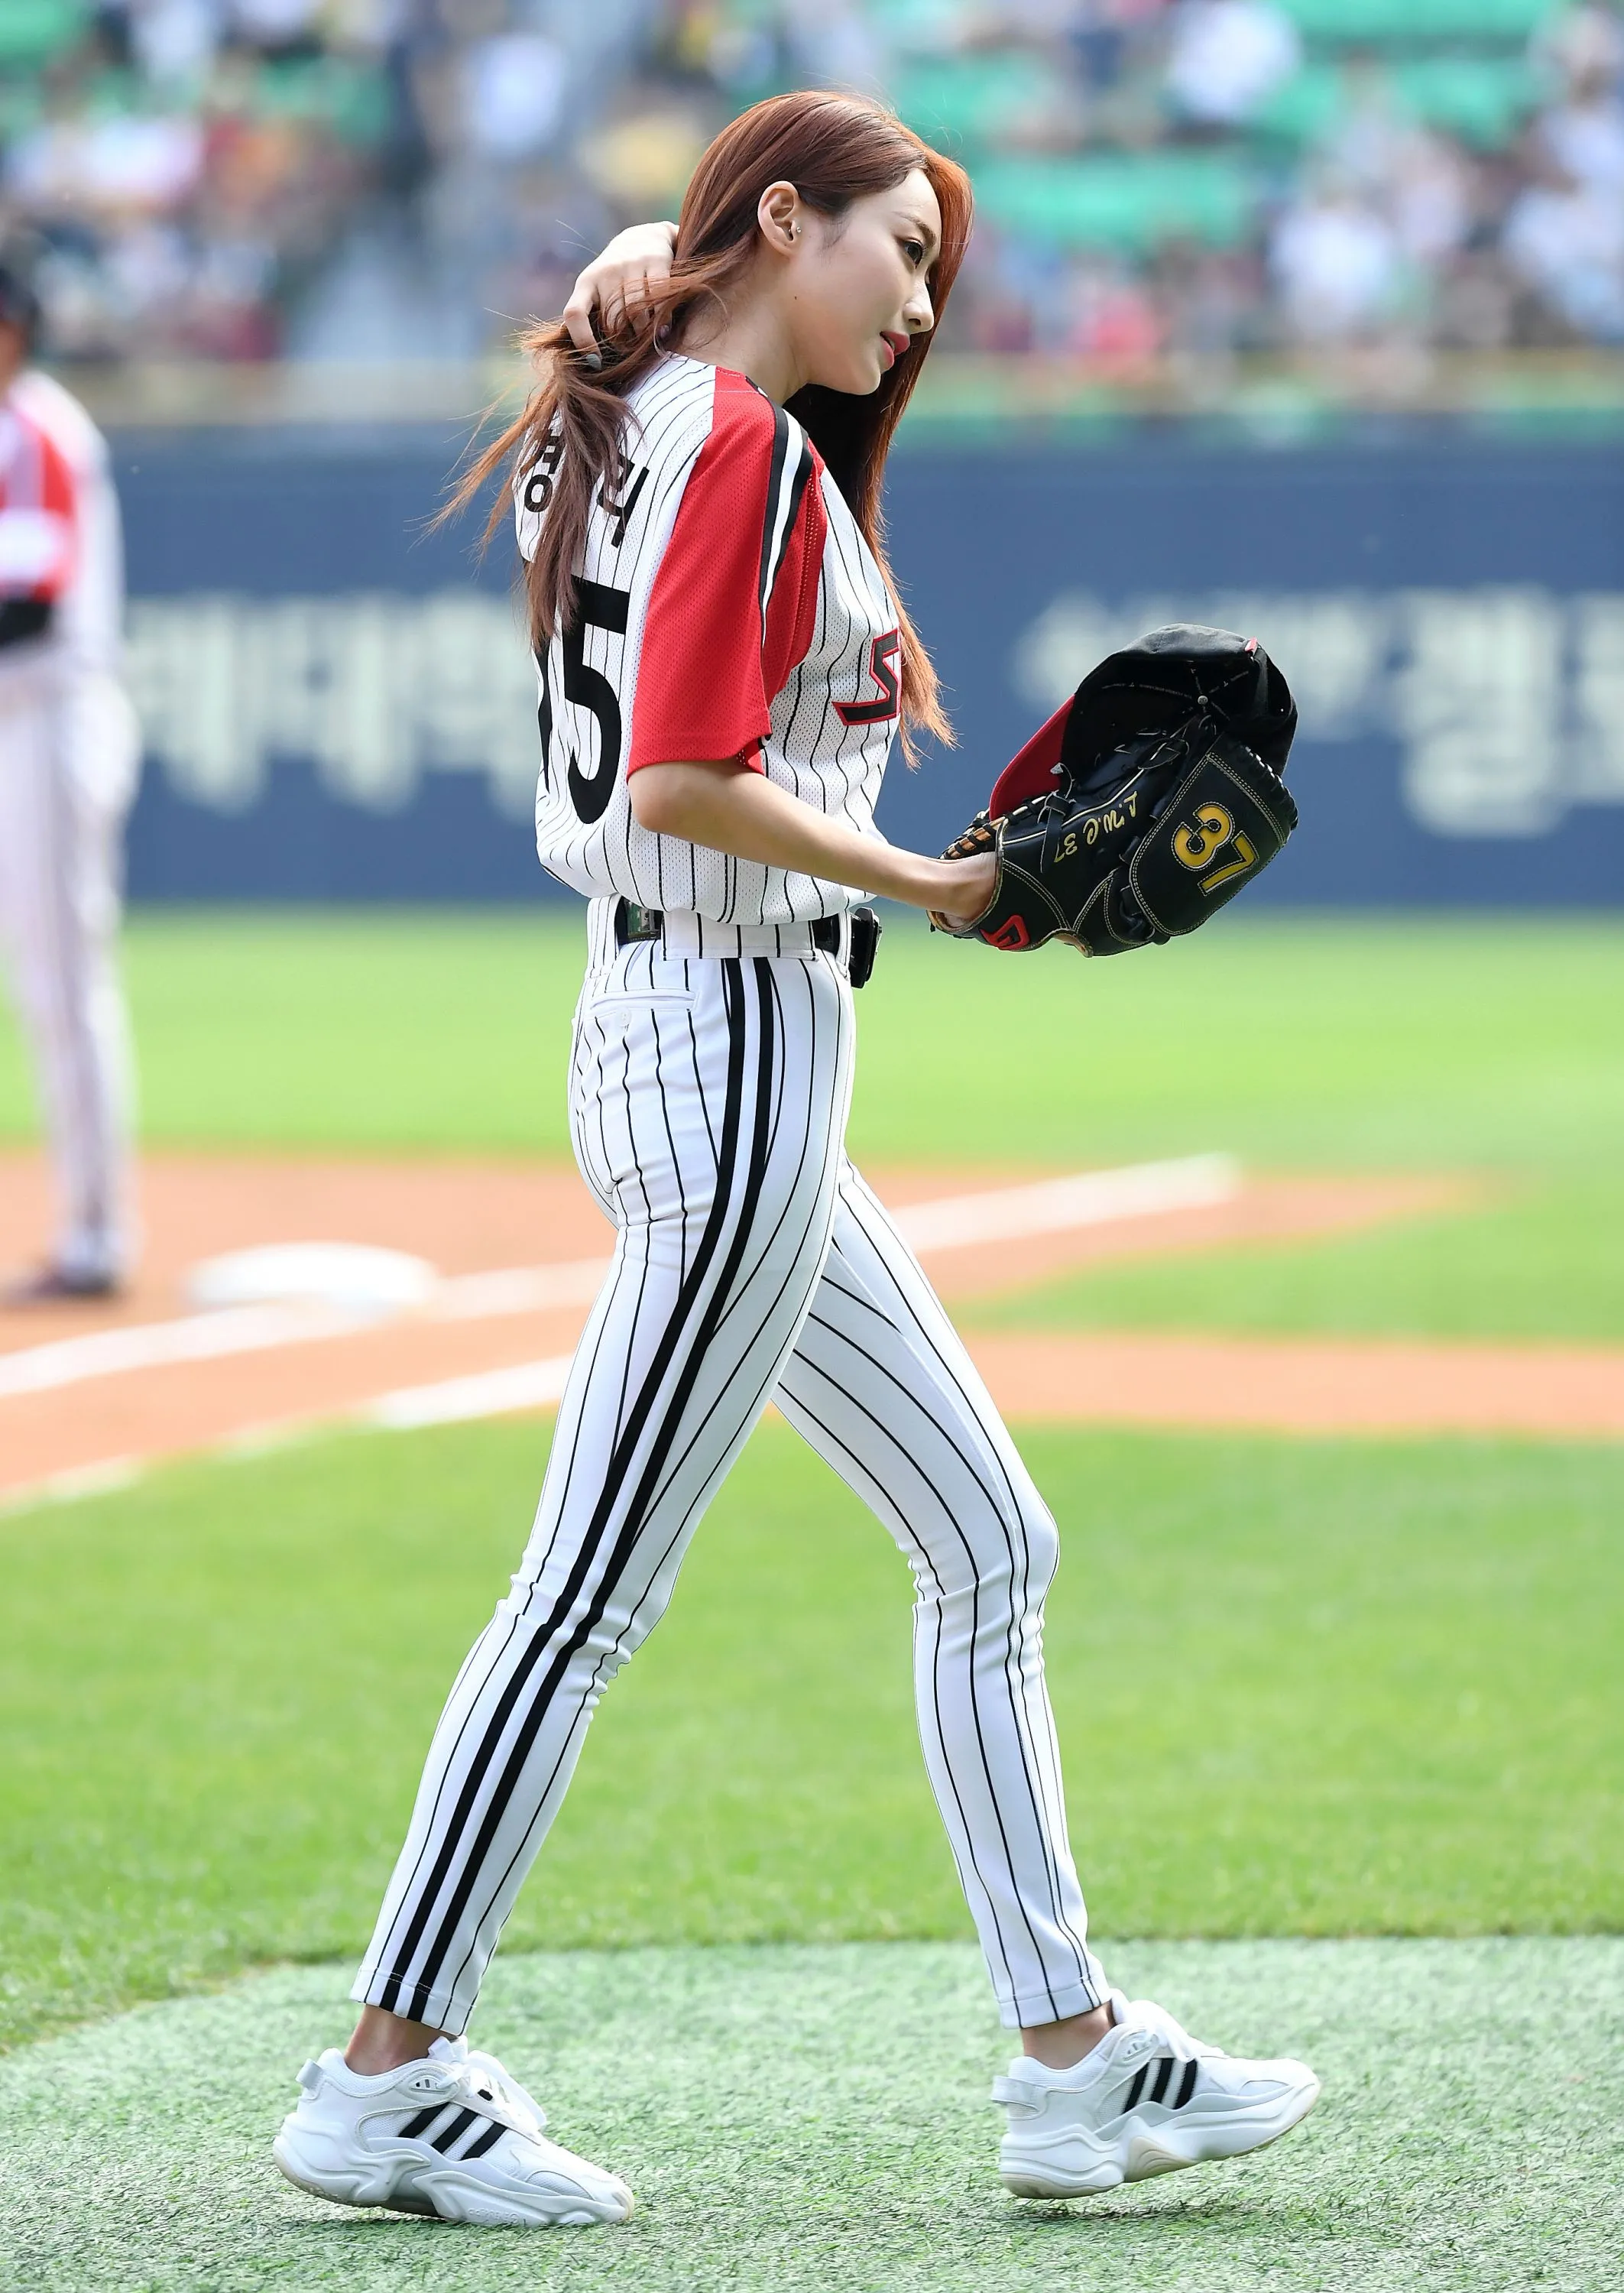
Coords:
972,98
1128,202
1305,107
925,25
1411,23
1482,99
33,31
351,98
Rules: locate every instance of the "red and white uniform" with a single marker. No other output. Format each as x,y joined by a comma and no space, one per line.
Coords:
727,606
69,753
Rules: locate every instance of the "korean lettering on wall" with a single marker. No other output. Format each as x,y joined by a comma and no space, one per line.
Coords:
1507,703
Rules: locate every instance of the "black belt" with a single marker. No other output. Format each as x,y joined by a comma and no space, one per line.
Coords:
634,923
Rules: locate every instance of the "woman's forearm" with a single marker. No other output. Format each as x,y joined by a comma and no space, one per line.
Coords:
737,811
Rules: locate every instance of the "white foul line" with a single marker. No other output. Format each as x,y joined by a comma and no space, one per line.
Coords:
1062,1205
1053,1206
254,1329
954,1222
152,1345
455,1400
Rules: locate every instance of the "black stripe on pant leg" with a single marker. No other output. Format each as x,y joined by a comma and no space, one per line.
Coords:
747,1353
631,1527
744,1353
619,1463
647,1489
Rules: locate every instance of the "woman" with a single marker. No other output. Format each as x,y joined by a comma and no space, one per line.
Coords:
723,666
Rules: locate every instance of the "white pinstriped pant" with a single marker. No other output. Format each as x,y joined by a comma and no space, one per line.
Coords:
69,755
709,1101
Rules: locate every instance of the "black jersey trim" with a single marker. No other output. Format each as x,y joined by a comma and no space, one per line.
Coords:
775,484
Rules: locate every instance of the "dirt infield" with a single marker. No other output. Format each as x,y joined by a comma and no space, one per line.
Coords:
67,1406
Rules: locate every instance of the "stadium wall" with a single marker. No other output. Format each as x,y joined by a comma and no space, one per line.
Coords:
338,704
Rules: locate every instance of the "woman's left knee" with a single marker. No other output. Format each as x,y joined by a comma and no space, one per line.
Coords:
1010,1566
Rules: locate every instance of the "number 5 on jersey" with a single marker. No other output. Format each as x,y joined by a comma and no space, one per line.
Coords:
882,669
595,607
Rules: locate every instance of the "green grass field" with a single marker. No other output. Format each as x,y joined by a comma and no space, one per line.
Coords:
1305,1689
1492,1045
1315,1689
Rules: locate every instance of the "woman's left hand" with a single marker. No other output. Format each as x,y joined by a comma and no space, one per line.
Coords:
974,882
617,280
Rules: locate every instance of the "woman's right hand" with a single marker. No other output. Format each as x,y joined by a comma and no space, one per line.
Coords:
617,280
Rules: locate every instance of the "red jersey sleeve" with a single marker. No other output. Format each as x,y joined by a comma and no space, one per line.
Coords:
734,604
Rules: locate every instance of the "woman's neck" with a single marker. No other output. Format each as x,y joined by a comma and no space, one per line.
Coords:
752,340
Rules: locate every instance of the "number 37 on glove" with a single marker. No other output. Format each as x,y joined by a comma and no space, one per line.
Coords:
1150,799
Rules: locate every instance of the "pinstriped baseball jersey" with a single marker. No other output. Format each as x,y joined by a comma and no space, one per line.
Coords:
726,606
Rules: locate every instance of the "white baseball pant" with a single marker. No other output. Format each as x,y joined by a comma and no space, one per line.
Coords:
69,755
708,1102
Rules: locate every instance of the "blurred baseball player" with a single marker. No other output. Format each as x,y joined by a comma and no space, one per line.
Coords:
69,758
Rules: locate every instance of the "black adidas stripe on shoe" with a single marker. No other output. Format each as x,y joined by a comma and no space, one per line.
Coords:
418,2125
1163,2067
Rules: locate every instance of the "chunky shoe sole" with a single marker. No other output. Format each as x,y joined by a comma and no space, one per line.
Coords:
440,2192
1146,2150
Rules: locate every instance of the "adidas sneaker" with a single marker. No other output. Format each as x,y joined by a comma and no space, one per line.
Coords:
452,2135
1147,2100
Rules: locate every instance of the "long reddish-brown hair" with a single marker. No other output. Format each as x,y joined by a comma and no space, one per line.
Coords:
835,149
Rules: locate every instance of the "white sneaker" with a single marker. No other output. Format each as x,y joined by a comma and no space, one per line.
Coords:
452,2135
1149,2099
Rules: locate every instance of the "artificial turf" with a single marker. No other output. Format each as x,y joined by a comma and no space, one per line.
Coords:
1487,1044
815,2121
1302,1689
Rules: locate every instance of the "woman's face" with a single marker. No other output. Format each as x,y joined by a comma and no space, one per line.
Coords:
855,288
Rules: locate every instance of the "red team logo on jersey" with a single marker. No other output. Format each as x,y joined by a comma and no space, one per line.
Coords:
882,654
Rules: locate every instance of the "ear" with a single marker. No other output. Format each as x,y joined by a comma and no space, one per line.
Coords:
780,217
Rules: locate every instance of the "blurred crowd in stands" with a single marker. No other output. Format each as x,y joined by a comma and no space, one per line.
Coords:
1158,181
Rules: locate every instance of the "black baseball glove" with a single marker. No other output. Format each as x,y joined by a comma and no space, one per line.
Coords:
1147,801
